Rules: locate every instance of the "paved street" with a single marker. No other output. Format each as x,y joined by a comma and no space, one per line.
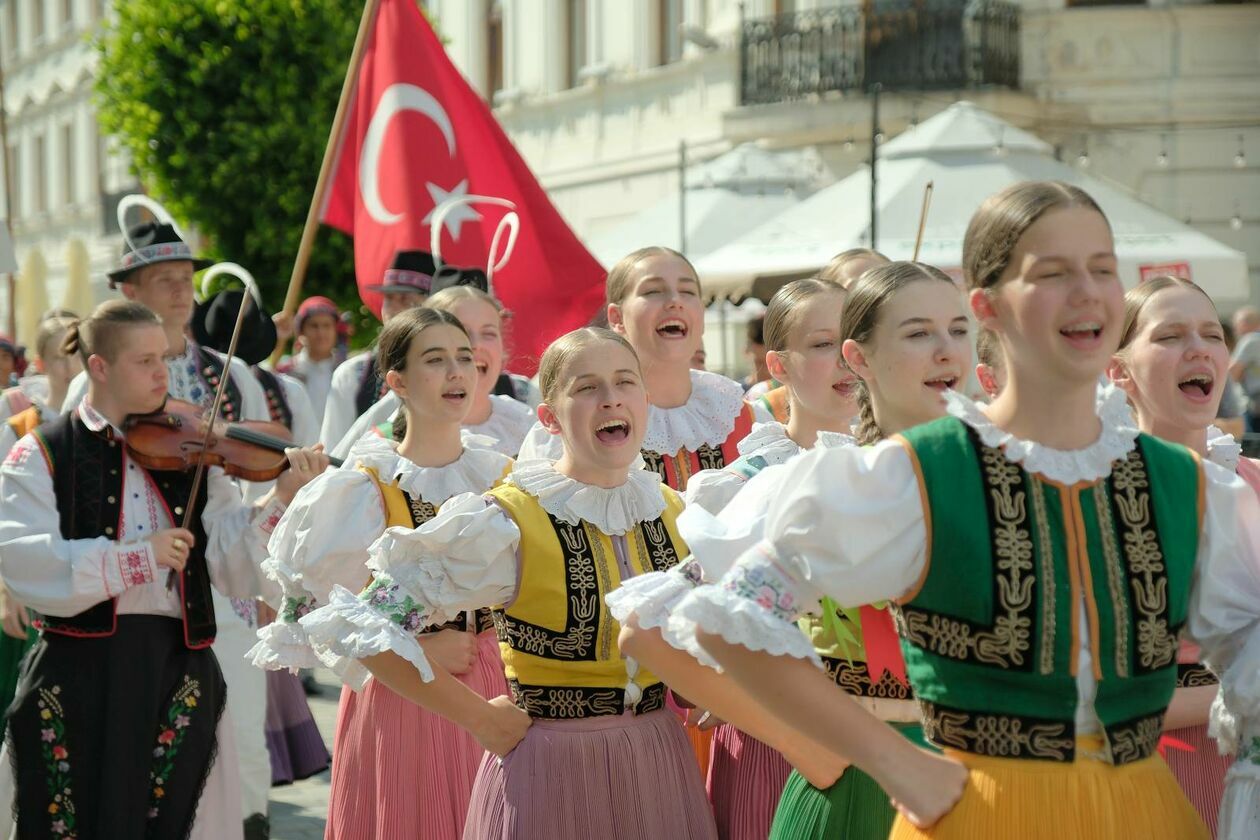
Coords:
298,810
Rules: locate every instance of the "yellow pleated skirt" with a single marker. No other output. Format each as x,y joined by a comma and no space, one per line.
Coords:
1049,800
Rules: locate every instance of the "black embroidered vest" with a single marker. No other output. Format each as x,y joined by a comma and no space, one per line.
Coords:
277,403
211,366
88,483
371,387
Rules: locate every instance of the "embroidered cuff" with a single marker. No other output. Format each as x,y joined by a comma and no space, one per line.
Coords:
755,605
293,608
268,517
127,565
651,597
354,628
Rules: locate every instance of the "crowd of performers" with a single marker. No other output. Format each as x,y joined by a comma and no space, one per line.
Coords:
631,600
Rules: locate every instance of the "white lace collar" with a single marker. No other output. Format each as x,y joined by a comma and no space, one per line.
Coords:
1119,433
475,471
509,422
771,441
1222,449
613,510
708,416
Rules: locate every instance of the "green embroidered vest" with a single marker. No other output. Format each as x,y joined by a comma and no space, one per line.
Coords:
991,637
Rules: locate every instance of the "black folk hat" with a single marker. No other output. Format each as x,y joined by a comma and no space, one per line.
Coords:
411,271
449,275
149,243
214,319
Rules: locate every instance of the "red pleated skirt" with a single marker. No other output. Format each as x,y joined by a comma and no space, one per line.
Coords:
1199,768
400,772
746,779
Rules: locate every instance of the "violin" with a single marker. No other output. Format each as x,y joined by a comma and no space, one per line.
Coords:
175,438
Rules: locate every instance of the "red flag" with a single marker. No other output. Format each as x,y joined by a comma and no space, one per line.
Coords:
415,134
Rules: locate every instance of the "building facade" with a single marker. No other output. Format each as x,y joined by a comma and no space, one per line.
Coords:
65,178
1162,98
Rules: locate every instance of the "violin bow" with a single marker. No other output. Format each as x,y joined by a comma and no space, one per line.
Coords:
927,202
199,474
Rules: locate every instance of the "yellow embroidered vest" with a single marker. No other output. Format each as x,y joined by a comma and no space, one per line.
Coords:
557,638
403,510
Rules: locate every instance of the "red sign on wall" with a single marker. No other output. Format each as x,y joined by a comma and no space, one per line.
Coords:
1177,269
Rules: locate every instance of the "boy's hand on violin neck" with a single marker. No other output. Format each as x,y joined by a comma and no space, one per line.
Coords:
304,465
171,547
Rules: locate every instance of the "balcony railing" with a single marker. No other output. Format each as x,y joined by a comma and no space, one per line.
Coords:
901,44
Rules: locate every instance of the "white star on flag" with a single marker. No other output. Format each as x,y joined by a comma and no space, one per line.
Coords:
457,215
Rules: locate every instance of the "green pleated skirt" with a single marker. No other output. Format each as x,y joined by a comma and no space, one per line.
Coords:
854,808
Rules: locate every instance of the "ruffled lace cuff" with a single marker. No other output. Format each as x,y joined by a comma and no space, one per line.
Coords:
755,605
282,645
353,628
651,597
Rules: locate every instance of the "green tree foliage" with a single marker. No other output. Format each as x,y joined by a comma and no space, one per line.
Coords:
225,108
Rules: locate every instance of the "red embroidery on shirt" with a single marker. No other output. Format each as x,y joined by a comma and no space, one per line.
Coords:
271,521
19,453
134,567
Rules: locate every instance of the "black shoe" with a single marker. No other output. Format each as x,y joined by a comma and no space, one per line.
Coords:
309,685
257,827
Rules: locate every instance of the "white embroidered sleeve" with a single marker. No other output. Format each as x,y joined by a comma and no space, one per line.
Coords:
1225,603
52,575
321,541
463,559
845,522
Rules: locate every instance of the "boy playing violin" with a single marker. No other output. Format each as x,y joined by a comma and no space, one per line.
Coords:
117,728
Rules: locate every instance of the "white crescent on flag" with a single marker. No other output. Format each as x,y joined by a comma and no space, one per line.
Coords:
397,97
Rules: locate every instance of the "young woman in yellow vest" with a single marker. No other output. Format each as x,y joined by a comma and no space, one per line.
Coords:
1173,364
22,408
1042,552
603,757
696,418
398,770
904,331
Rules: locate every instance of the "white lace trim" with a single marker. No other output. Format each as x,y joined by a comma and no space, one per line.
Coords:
738,621
475,471
510,420
708,416
282,645
771,442
1067,466
347,629
1222,449
613,510
650,598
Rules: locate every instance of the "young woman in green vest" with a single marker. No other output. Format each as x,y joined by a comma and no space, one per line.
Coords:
1042,552
400,771
1173,364
906,335
602,756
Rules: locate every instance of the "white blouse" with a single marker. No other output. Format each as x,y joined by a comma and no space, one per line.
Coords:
464,559
708,417
322,540
714,489
503,432
61,577
849,523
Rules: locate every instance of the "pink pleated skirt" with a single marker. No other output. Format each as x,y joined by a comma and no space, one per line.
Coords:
400,772
746,780
1199,768
623,777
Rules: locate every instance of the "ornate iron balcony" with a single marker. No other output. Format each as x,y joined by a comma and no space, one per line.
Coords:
902,44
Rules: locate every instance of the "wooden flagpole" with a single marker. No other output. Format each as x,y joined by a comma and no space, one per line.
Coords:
303,258
8,207
927,202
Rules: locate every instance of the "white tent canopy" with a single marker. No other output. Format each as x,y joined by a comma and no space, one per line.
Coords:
725,197
968,154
